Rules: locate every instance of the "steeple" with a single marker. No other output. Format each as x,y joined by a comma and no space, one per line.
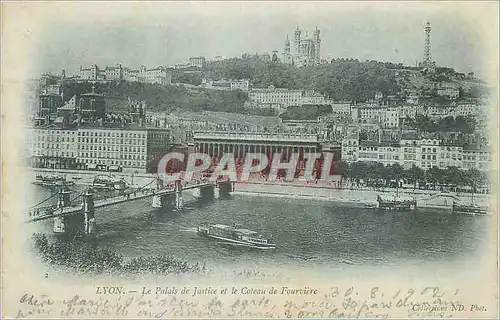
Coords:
316,33
297,41
317,44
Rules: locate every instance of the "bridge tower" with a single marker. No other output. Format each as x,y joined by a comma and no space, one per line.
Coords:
89,213
64,194
170,200
225,188
216,188
61,223
178,201
208,191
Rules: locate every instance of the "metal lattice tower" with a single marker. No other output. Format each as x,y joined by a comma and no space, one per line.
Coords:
427,47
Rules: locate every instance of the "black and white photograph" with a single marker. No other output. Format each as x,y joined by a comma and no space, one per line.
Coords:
249,159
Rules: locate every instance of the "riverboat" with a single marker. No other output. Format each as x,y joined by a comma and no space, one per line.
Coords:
469,209
52,181
396,203
235,236
102,182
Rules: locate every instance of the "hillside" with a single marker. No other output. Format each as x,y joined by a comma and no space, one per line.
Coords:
340,80
161,97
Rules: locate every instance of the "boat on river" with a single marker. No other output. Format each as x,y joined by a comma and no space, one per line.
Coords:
469,209
52,181
386,202
235,236
107,183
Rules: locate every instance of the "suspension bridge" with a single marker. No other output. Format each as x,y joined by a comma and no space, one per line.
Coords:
77,213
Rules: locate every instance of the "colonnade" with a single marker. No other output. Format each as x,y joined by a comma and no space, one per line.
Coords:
216,149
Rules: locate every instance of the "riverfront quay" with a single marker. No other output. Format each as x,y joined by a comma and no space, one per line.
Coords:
359,196
363,196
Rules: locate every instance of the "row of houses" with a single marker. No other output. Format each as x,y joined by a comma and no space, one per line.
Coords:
194,62
371,112
287,97
389,117
161,75
422,153
226,84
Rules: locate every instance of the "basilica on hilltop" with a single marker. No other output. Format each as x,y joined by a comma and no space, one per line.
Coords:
305,50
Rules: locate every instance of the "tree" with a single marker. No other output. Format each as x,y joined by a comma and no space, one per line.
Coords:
359,170
434,175
415,174
454,176
395,171
407,121
474,178
377,171
342,168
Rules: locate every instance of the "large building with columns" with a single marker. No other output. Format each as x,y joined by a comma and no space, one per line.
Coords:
241,143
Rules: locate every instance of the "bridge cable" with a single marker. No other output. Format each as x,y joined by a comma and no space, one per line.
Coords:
146,184
39,203
76,197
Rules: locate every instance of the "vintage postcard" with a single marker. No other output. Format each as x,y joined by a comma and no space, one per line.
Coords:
249,159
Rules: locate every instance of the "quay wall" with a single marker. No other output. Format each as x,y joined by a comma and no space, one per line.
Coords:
361,196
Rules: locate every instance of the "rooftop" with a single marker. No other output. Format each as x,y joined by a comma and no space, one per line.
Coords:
409,136
106,126
93,94
67,107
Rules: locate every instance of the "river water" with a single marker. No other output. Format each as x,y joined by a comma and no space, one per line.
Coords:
308,233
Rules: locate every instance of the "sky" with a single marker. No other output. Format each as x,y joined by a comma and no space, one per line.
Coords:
67,36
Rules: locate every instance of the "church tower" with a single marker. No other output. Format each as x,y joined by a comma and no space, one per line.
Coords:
287,46
317,46
297,42
287,55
